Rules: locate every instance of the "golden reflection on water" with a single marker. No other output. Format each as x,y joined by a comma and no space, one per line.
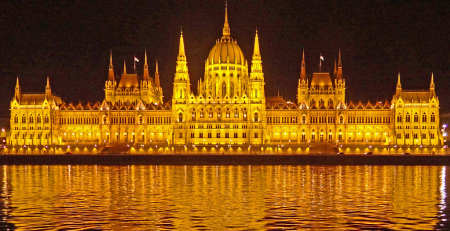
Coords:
222,197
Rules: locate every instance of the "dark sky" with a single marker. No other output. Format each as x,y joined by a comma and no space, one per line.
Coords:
70,42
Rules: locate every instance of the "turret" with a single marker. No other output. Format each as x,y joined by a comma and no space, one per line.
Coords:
146,76
257,75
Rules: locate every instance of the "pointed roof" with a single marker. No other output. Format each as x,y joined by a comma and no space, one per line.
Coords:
17,83
339,70
111,68
146,75
157,83
303,70
181,51
124,67
256,52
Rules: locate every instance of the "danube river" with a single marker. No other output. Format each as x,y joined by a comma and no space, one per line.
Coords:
224,197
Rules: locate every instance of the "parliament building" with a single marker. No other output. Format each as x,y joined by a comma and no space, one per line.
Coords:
229,112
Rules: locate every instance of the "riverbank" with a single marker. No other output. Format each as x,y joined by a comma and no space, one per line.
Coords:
223,160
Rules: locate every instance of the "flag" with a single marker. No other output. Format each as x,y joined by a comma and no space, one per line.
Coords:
321,58
136,59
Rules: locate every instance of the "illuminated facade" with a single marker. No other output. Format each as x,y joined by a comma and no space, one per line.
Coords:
230,108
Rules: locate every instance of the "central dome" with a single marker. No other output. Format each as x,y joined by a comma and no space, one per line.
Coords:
226,51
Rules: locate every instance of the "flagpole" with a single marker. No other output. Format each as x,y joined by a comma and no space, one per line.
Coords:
320,63
134,61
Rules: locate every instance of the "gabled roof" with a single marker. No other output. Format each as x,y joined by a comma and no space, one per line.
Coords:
360,105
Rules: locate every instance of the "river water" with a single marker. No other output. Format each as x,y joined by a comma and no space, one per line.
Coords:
224,197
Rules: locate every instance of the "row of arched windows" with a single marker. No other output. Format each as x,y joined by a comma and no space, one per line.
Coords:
415,117
31,119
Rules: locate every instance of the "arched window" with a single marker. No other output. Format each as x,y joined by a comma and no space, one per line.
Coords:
194,115
304,119
140,119
424,117
341,119
180,117
46,119
256,116
416,117
24,118
31,119
433,118
104,119
399,118
407,118
202,113
224,89
236,113
228,113
38,119
256,93
16,118
245,114
210,113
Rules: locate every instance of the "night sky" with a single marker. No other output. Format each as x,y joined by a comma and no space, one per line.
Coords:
70,43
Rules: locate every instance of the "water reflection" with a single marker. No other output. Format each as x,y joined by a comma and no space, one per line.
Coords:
224,197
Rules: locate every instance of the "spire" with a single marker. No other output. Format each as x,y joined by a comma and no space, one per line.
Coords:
399,85
256,61
256,52
146,75
124,67
303,70
226,27
432,83
48,90
339,70
181,52
157,83
111,68
17,91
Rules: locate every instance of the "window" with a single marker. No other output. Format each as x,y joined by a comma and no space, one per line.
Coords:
433,118
228,113
227,135
424,117
236,113
303,137
218,135
16,119
406,135
200,135
209,135
104,120
46,119
202,113
24,119
408,118
256,134
31,119
416,117
432,136
194,115
192,135
256,116
399,135
399,118
415,135
245,114
304,119
244,135
180,135
180,117
341,119
424,135
140,119
210,113
235,135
